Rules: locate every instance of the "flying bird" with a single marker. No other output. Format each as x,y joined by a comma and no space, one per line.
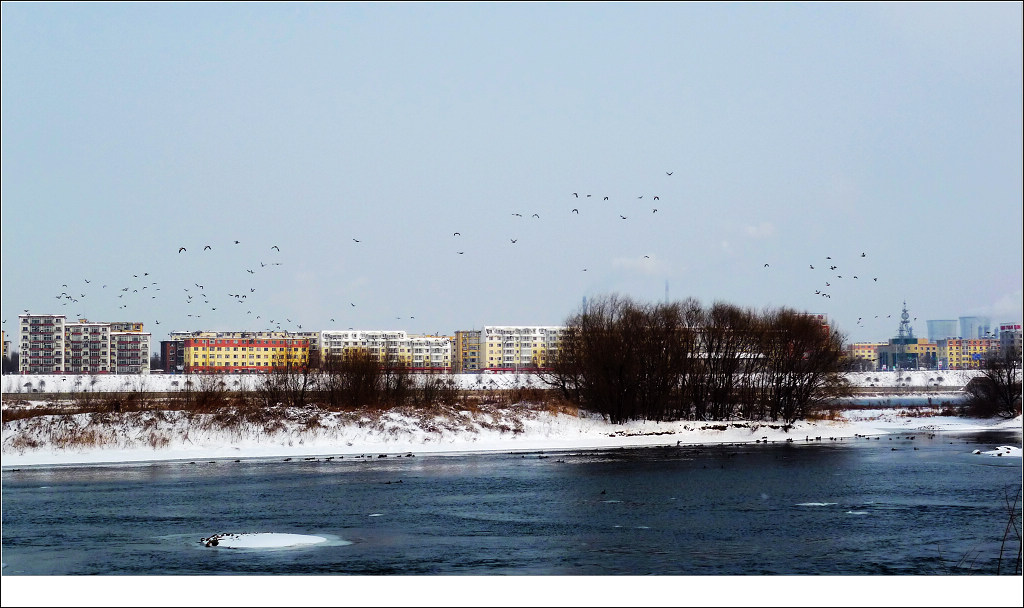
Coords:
513,240
576,211
180,249
207,247
668,172
356,240
456,234
576,194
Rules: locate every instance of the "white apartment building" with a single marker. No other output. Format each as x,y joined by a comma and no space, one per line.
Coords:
421,353
41,344
431,353
130,352
50,344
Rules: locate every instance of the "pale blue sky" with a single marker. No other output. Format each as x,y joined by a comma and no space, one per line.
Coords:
794,132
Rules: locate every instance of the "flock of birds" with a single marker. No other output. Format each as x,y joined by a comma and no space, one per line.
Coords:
245,295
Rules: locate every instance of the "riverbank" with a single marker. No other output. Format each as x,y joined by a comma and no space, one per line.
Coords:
36,387
92,439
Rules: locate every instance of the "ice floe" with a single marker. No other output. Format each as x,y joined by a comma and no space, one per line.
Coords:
261,540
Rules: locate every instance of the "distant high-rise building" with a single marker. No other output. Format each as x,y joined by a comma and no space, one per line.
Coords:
942,329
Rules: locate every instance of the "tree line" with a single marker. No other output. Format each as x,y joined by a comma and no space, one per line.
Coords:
683,361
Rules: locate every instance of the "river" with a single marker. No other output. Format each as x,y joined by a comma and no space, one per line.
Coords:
905,504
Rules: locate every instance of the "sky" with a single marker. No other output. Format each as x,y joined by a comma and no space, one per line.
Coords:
416,166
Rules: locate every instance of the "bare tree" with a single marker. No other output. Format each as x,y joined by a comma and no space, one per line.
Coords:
997,391
630,361
800,362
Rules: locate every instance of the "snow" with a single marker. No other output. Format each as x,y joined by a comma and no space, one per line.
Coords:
261,540
67,383
404,433
1009,451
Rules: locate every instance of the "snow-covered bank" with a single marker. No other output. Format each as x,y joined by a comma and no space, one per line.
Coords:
17,384
148,436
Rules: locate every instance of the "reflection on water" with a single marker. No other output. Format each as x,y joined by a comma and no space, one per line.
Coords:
905,504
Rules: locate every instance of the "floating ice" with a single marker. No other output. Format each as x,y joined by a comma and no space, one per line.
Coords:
814,504
375,514
261,540
1003,450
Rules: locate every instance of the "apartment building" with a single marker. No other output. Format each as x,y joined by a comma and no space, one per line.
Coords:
243,354
423,353
50,344
507,348
41,344
431,354
962,353
467,351
865,351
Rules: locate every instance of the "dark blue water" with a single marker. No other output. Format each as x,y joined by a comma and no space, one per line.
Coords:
855,506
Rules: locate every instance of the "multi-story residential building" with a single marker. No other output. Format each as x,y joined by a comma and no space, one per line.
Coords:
41,344
54,345
129,352
961,353
432,354
467,352
390,346
236,354
506,348
417,353
864,351
6,343
87,348
172,356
